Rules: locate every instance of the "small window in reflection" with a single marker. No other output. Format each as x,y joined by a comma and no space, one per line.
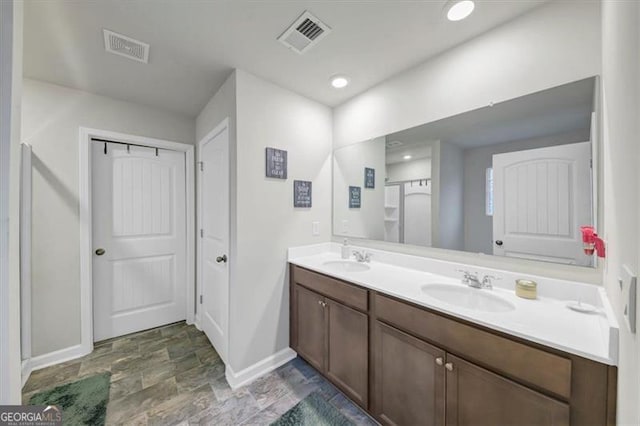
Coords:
489,192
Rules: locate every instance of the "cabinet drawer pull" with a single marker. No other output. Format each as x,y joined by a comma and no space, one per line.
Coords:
449,366
439,360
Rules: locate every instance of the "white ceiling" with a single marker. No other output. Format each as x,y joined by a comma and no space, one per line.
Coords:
195,44
549,112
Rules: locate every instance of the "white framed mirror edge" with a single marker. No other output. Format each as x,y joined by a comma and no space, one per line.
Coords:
525,266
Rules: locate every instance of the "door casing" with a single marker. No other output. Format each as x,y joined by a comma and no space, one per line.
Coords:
86,225
223,351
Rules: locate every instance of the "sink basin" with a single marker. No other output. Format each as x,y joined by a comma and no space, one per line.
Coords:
346,266
468,298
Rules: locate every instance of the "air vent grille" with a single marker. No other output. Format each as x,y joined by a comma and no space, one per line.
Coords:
304,33
309,29
393,144
128,47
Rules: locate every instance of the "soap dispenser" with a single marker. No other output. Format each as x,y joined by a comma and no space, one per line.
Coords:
345,249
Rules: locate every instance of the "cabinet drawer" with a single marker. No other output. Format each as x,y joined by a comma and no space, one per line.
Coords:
517,360
346,294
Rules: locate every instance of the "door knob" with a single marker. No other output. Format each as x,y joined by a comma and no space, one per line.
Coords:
100,251
499,242
449,366
222,259
439,360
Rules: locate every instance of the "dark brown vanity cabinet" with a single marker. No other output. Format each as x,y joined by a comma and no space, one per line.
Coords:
331,336
478,397
409,379
409,365
311,327
418,383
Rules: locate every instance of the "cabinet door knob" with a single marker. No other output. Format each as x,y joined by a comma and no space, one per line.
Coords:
100,252
439,360
449,366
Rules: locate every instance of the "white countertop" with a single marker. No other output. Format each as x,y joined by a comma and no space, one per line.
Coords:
546,320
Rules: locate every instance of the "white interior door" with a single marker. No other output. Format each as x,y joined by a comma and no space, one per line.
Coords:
213,248
138,205
541,198
417,214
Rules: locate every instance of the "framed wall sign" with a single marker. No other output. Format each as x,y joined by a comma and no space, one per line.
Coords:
355,199
276,163
369,177
301,193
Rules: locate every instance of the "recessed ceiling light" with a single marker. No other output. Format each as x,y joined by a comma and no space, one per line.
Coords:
339,81
457,10
406,157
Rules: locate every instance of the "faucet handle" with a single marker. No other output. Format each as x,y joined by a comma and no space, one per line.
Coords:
487,279
466,275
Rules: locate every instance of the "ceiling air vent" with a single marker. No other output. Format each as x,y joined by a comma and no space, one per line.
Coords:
304,33
126,46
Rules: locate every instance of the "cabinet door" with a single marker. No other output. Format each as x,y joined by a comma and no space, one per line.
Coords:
311,326
478,397
347,362
409,379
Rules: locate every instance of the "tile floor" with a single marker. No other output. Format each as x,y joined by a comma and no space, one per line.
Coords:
173,376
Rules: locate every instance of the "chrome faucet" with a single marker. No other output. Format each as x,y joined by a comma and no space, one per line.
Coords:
362,256
472,280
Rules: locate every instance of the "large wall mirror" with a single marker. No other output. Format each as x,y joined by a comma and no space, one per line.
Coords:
512,179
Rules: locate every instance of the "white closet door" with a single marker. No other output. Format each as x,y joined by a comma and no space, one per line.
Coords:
139,281
213,249
417,214
541,198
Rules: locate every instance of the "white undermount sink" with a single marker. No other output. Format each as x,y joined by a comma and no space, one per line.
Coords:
346,266
468,298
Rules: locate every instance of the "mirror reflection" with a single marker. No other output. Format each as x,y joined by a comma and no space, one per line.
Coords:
512,179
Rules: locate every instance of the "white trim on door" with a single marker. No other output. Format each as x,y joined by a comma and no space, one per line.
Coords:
219,128
86,247
25,251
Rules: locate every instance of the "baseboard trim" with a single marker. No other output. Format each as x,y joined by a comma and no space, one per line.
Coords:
26,371
56,357
258,369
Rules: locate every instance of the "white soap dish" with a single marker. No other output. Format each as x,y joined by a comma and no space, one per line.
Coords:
582,307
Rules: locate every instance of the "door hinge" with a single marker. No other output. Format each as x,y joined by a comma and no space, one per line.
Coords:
591,163
201,163
201,299
202,233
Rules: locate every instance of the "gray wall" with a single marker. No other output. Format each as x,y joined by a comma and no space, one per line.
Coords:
51,117
269,115
621,156
478,227
449,226
261,115
348,170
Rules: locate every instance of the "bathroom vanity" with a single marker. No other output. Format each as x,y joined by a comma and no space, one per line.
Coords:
413,346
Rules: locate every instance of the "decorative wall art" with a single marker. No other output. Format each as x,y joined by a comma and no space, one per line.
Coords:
355,199
301,193
369,177
276,163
